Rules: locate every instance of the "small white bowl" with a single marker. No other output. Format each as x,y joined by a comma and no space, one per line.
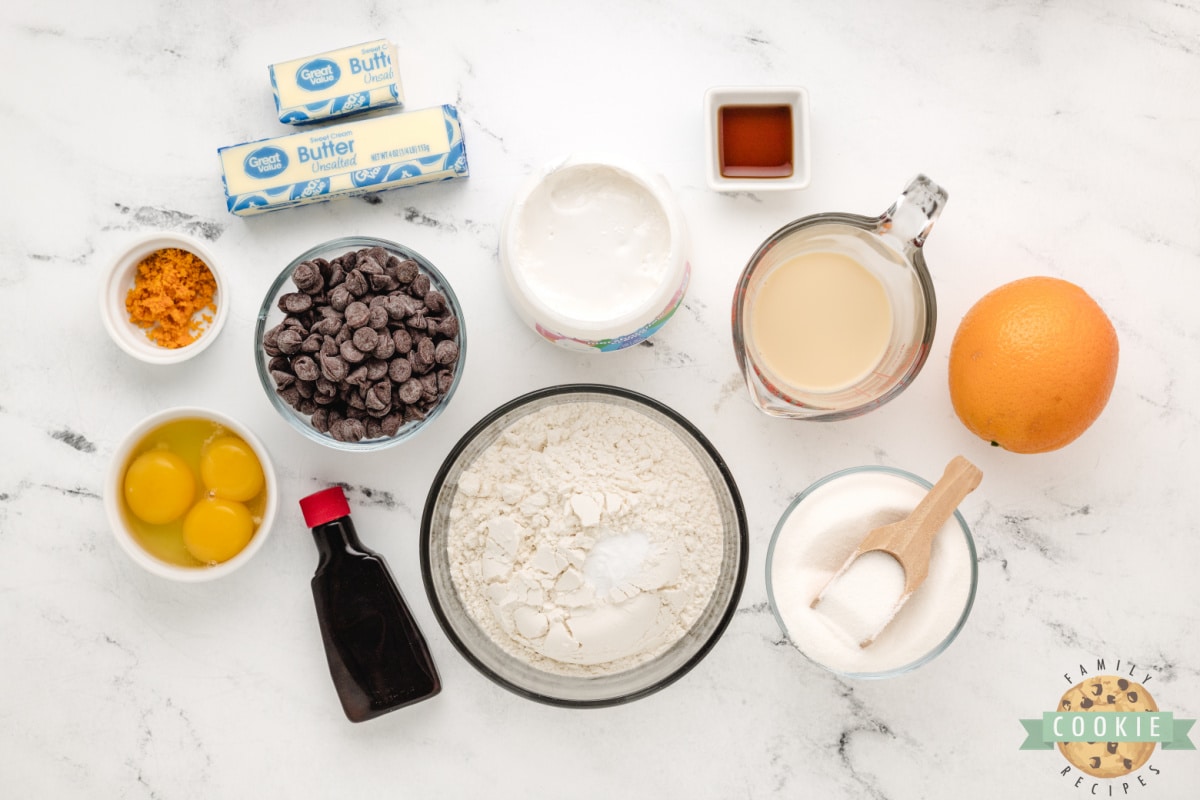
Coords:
114,497
795,98
120,280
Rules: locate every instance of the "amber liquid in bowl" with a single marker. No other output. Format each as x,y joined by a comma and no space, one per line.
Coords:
755,141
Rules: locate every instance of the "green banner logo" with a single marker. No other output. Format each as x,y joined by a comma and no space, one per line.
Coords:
1107,726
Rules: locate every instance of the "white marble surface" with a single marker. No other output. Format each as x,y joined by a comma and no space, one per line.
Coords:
1066,134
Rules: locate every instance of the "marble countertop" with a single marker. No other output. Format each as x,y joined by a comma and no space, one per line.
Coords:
1066,134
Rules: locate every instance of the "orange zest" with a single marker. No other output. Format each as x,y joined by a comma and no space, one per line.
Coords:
171,288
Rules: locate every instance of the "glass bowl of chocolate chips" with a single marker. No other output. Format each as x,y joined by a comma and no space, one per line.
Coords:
360,343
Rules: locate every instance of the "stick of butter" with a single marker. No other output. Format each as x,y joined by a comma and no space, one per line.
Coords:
352,158
337,83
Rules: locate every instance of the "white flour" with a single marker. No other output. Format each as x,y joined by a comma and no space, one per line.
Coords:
586,539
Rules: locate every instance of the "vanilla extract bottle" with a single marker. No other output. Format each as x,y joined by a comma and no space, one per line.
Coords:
377,656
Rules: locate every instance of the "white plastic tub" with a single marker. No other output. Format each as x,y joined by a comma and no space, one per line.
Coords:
594,253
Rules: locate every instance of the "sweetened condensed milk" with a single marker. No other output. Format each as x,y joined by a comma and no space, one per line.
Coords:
820,322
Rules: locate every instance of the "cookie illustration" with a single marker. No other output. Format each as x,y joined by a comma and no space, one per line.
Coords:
1107,693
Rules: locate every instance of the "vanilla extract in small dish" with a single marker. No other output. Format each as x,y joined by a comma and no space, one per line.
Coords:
755,141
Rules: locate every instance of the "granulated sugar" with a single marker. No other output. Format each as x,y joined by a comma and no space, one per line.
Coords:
586,539
815,540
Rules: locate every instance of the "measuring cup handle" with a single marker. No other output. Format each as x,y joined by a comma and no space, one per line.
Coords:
911,217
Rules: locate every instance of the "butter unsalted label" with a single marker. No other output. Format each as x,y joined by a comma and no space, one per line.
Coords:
352,158
337,83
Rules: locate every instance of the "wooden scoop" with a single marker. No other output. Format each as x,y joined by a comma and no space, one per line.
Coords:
910,540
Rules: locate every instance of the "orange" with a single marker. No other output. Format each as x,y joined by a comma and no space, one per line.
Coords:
1032,365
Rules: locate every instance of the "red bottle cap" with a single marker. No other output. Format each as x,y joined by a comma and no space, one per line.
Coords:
324,506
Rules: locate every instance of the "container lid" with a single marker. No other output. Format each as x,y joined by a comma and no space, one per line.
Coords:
593,247
324,506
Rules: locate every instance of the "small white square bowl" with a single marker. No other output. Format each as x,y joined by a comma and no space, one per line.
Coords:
795,98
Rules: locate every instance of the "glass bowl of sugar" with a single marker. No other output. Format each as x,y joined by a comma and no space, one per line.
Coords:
584,546
817,533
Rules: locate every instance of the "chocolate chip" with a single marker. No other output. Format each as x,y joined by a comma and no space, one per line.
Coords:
399,370
383,283
1095,760
376,369
289,341
1122,684
435,301
1132,696
289,395
1097,689
320,420
358,377
333,368
365,339
308,278
295,303
340,297
356,282
283,379
306,369
407,270
369,266
351,353
425,350
448,327
1066,704
1086,703
1112,698
402,339
419,286
348,430
358,314
392,422
379,396
378,318
329,326
374,428
1128,764
410,391
1112,747
385,347
446,352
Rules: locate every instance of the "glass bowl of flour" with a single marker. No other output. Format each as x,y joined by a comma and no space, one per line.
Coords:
584,545
818,532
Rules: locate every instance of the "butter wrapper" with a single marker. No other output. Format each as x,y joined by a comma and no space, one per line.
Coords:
334,84
352,158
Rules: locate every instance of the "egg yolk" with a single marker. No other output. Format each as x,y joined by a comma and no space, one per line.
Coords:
230,469
216,530
159,487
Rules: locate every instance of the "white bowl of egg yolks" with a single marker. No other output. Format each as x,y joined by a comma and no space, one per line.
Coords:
191,494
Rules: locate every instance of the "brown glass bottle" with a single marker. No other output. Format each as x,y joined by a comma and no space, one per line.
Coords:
377,656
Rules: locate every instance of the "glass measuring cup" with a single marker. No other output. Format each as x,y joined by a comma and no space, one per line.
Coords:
889,249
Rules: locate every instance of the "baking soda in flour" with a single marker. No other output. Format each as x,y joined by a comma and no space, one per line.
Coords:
817,537
586,539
